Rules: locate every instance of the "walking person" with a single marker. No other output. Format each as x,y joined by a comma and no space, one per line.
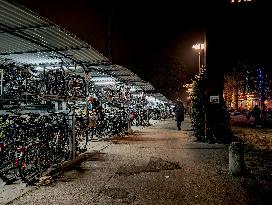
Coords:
179,113
256,113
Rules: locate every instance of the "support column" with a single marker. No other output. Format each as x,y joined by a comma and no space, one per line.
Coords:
73,133
2,79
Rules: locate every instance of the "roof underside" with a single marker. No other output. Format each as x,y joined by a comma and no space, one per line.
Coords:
122,74
105,73
28,39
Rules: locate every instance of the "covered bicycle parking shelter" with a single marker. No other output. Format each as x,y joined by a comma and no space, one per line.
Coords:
42,64
28,39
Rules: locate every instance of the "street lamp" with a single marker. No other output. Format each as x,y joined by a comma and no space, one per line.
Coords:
199,47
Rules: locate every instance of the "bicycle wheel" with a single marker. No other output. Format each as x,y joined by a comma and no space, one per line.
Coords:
60,146
8,165
34,162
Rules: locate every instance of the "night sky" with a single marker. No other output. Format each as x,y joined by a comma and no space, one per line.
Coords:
142,30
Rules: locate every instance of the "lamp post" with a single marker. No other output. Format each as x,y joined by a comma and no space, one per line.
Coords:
199,47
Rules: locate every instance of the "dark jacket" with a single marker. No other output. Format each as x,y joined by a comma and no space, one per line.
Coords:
256,112
179,111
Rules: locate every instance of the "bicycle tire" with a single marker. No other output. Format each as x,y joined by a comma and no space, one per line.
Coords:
34,162
60,146
8,165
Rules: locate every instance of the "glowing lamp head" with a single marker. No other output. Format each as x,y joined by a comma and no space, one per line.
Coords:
198,46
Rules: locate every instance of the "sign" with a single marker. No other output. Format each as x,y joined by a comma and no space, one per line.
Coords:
214,99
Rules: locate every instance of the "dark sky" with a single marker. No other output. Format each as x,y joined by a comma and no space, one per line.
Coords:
142,29
139,27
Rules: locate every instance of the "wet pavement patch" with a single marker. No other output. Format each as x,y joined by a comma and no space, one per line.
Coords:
159,164
154,165
117,196
115,193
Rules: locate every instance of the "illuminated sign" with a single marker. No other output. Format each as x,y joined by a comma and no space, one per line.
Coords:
214,99
239,1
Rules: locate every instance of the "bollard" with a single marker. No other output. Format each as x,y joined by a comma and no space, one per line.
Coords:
236,159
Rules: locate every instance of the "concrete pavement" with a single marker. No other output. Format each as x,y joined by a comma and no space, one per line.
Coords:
154,165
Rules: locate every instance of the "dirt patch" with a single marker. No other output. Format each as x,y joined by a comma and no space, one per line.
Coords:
118,196
258,188
258,182
259,161
115,193
261,139
159,164
154,165
135,139
244,130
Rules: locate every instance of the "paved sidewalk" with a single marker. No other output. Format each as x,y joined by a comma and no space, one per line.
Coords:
155,165
10,192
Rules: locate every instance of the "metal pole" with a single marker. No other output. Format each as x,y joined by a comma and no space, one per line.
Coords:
56,106
45,87
147,113
26,91
73,133
2,78
204,62
199,61
205,122
64,106
87,96
87,111
87,80
205,50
